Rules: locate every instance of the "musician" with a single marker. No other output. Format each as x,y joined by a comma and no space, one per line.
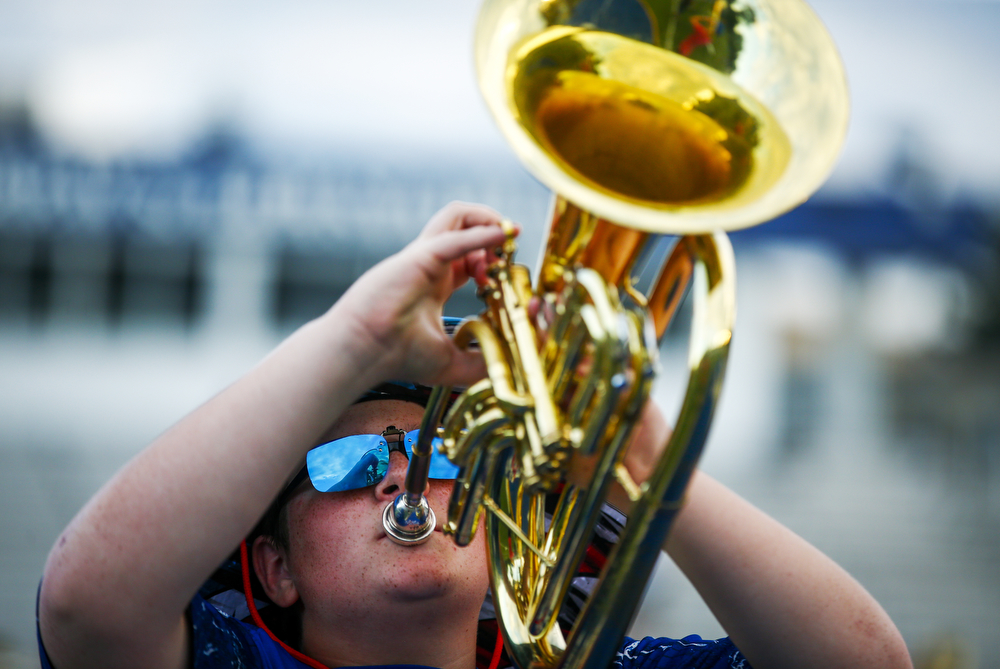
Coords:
118,585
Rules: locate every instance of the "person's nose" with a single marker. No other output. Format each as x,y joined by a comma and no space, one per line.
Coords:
395,477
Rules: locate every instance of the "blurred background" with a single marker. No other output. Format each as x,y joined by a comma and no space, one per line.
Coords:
182,184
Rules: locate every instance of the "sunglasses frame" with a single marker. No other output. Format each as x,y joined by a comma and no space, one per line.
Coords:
392,439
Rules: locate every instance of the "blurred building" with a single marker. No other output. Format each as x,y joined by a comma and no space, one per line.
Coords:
186,242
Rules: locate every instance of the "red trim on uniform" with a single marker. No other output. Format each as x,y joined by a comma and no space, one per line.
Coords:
248,592
595,558
497,651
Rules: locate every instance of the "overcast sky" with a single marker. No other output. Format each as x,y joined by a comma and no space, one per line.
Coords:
110,77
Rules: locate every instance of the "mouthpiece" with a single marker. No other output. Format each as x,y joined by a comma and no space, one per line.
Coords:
408,520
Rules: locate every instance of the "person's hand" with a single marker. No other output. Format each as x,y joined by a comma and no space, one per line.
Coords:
648,443
643,451
649,439
396,306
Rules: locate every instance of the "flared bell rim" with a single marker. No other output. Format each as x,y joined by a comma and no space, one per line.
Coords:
791,66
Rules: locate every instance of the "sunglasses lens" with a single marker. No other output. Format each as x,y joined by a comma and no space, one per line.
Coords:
350,463
362,460
441,467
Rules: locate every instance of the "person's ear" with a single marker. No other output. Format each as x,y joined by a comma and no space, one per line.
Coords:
270,563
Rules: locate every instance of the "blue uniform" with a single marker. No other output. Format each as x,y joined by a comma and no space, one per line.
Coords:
221,642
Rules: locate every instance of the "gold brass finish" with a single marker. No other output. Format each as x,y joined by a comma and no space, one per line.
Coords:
765,62
600,398
580,238
630,132
646,117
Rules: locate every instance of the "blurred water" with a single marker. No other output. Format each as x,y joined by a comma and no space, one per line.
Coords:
812,427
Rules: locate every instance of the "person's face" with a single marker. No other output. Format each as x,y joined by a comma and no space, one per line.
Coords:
339,556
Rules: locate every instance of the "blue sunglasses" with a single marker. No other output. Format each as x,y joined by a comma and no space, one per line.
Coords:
361,460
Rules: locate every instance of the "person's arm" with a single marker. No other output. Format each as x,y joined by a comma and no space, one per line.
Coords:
782,601
120,576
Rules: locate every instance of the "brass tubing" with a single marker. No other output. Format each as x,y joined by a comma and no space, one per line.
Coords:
509,597
408,520
512,526
561,518
476,397
420,461
463,510
624,128
571,229
588,509
610,352
613,250
579,238
525,349
497,368
564,347
605,618
584,391
562,371
668,290
462,515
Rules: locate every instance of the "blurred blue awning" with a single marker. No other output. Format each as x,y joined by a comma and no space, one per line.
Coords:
963,234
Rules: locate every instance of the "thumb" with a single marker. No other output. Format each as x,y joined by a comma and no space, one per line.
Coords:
466,368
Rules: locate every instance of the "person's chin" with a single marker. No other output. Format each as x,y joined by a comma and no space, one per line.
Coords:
415,586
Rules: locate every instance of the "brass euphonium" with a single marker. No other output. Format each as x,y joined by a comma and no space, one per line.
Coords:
647,118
